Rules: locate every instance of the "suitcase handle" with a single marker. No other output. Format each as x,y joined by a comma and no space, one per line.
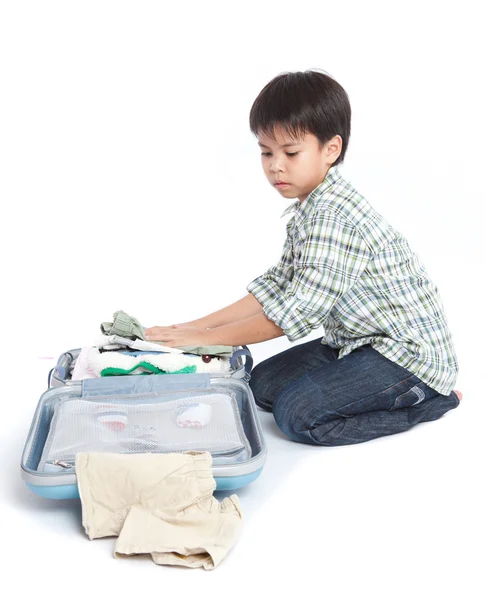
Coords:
248,362
61,370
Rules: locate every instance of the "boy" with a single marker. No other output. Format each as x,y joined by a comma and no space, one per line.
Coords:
386,361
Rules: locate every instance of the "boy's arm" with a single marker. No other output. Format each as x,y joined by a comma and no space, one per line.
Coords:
254,329
251,330
239,315
246,307
242,309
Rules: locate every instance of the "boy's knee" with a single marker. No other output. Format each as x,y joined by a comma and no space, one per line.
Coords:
300,419
260,388
295,420
290,415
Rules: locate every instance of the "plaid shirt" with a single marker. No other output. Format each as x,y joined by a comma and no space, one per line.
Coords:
345,268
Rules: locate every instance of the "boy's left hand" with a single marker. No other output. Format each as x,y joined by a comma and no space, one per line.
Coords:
177,336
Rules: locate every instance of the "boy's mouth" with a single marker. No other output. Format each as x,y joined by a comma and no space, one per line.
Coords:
280,184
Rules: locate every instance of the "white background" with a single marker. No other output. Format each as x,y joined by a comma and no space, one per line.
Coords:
130,180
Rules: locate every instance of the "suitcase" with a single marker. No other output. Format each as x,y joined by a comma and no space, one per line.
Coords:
134,413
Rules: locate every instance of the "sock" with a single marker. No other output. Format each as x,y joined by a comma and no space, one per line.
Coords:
111,418
195,415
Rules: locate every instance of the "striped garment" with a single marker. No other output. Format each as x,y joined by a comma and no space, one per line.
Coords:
345,268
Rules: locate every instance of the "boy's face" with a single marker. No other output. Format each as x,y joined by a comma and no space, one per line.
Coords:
299,163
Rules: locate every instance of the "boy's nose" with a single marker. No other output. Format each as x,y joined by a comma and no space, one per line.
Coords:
275,166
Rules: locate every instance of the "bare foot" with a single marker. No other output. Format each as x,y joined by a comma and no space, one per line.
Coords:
459,394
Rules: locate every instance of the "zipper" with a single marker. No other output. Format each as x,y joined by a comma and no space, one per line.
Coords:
67,465
60,463
115,397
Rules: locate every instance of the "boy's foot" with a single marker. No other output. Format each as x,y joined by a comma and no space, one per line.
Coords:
459,394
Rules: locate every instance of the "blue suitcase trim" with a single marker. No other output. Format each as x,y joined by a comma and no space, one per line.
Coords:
71,492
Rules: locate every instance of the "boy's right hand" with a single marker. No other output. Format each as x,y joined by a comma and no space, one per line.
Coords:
154,330
179,335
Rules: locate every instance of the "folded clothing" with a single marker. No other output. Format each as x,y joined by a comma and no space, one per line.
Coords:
162,505
124,325
116,342
81,368
226,351
145,368
104,364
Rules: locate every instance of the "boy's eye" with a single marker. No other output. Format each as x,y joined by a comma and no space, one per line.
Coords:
287,153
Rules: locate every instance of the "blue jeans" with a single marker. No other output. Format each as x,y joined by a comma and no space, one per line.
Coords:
319,399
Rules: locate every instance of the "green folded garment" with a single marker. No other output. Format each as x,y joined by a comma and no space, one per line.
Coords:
123,325
149,368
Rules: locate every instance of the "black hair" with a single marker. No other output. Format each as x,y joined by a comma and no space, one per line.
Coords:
303,102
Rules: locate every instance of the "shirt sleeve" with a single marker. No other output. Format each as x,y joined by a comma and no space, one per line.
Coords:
327,263
272,284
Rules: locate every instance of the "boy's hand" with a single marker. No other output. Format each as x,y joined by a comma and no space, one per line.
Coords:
178,335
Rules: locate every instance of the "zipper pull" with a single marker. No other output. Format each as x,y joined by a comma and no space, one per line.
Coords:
61,463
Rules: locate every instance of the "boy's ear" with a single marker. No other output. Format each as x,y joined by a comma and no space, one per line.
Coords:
333,148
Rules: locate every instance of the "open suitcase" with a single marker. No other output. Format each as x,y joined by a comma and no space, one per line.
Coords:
132,413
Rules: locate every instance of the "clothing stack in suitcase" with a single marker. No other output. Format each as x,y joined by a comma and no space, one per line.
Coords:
121,349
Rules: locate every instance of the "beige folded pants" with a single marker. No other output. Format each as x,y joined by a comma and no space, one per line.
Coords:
158,504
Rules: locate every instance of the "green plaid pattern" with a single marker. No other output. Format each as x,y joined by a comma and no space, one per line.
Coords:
345,268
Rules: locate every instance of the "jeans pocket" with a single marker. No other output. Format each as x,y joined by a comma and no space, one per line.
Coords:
413,396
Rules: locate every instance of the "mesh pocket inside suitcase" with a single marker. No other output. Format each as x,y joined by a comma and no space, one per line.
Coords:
209,422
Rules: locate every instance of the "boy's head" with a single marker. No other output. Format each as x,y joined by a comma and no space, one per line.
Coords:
303,122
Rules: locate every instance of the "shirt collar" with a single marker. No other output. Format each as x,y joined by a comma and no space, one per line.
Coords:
332,176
